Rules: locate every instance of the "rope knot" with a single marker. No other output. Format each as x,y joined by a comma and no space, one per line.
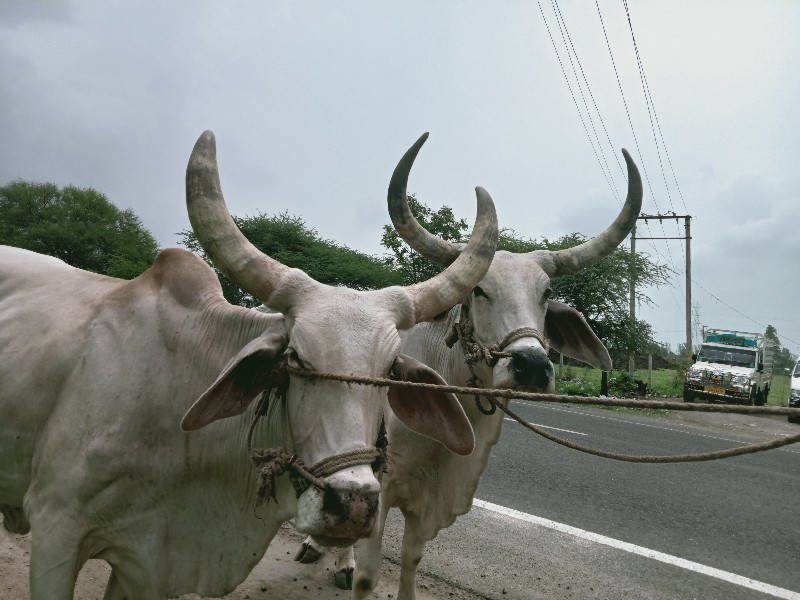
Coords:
274,462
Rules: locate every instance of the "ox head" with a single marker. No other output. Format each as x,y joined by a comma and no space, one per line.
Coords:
514,295
339,330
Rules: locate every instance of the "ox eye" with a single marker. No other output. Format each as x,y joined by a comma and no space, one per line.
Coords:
294,360
548,293
479,293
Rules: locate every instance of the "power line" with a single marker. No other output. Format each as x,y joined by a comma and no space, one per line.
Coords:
575,101
740,313
651,108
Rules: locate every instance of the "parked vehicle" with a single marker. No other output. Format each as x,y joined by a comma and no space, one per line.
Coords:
794,393
731,366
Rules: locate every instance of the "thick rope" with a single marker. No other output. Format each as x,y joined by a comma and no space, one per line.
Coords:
274,462
541,397
652,458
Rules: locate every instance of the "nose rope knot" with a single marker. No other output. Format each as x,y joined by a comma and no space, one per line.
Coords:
463,331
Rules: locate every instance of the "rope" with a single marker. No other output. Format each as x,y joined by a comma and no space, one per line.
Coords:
541,397
651,458
274,462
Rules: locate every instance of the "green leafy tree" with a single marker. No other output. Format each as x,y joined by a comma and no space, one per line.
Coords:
405,260
78,225
287,239
782,357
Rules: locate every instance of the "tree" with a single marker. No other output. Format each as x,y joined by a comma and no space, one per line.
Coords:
287,239
782,357
405,260
78,225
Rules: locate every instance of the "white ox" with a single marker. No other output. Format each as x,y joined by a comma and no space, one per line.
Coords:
96,374
430,485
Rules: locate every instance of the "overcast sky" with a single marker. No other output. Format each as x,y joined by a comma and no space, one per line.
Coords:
313,103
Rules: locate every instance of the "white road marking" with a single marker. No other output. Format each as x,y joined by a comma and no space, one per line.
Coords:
740,580
548,427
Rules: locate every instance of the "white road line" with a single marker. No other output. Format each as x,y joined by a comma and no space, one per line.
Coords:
548,427
746,582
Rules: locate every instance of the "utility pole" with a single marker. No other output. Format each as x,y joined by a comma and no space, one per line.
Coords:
632,278
687,220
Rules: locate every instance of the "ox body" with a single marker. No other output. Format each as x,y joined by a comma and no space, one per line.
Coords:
98,375
510,307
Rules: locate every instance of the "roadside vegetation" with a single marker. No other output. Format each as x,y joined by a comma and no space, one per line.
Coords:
667,383
585,381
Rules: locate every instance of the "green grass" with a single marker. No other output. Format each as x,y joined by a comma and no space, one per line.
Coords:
779,391
585,381
668,383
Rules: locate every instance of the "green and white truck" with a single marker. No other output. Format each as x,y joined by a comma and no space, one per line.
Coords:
730,366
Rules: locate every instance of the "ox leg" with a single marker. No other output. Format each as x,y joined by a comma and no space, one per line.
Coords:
368,563
309,551
54,564
410,555
113,589
345,564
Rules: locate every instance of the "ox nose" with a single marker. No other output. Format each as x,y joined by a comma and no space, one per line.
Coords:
344,511
531,368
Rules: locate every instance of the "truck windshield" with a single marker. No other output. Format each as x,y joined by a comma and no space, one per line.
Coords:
796,370
737,357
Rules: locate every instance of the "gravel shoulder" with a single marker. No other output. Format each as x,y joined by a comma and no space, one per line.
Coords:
754,426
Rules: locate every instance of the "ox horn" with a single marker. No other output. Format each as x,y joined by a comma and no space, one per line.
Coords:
229,250
441,292
562,262
420,239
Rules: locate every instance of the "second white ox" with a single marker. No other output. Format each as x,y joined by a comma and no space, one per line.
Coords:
510,307
96,373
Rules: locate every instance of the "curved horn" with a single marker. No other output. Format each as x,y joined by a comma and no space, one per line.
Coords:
229,250
415,235
561,262
441,292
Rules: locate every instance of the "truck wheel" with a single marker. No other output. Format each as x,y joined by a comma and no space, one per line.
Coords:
761,398
794,419
688,396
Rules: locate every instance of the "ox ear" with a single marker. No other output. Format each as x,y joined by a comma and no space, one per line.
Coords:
570,334
437,415
242,379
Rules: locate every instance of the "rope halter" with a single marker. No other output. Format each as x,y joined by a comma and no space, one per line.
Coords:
464,331
274,462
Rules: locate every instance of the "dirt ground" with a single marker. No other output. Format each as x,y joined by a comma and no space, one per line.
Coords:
279,576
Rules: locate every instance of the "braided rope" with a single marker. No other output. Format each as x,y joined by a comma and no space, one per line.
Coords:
541,397
650,458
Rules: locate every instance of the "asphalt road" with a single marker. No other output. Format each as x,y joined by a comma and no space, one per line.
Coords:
740,516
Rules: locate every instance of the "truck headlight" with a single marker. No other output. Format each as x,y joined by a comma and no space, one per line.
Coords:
740,379
794,393
694,374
